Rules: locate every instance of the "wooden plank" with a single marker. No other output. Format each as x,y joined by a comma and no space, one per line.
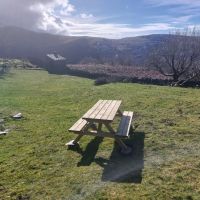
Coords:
108,111
103,110
90,111
75,125
125,130
98,110
122,123
81,125
130,121
125,124
78,126
114,110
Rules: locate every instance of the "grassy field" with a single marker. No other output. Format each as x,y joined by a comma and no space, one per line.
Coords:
36,164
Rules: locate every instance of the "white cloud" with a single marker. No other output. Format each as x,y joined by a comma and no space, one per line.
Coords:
27,13
181,20
86,16
180,12
86,25
115,30
60,17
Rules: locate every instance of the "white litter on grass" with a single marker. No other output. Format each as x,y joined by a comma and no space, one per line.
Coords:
17,116
4,132
1,121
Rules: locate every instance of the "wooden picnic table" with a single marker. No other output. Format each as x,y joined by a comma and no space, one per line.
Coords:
101,114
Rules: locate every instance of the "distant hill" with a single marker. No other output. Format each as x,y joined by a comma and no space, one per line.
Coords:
21,43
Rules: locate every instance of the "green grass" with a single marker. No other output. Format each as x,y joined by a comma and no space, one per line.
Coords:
36,164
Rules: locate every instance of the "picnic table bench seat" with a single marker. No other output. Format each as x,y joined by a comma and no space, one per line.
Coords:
125,124
79,126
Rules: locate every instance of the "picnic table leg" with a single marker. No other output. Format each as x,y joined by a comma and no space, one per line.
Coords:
78,138
124,148
99,127
74,142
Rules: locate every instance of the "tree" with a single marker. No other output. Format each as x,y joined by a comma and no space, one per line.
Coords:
178,55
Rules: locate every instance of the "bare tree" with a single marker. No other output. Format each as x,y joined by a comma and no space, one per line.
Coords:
178,56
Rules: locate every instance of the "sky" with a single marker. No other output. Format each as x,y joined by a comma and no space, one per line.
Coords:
101,18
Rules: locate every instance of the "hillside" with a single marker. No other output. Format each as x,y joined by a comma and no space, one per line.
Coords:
35,163
21,43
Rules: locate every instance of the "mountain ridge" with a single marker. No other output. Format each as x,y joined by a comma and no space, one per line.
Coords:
26,44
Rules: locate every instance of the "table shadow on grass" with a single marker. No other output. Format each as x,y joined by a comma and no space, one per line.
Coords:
118,168
88,156
125,168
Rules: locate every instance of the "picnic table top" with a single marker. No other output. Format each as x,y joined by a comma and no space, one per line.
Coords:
103,110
